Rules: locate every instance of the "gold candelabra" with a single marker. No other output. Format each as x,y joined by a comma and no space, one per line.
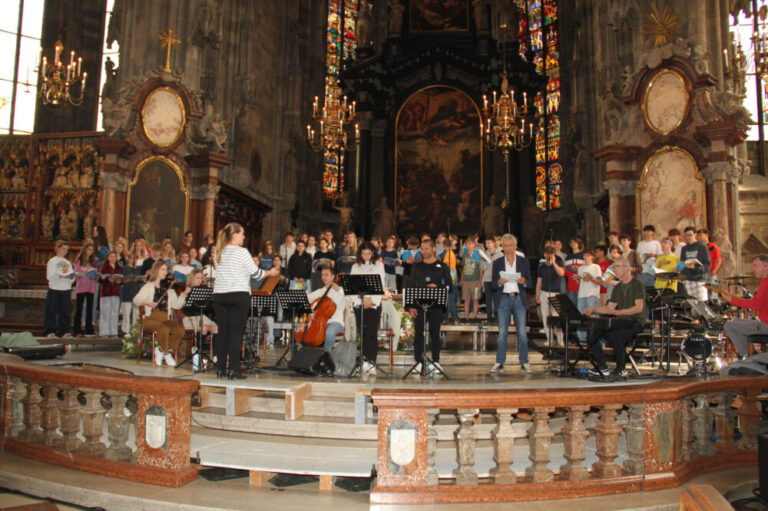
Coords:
333,123
59,80
760,43
505,122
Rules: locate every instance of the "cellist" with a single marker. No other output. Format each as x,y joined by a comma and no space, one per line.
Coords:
335,324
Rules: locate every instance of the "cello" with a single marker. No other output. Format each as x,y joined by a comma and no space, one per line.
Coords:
311,332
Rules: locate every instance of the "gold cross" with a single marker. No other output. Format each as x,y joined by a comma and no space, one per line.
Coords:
168,41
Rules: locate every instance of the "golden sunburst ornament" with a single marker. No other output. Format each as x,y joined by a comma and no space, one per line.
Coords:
660,28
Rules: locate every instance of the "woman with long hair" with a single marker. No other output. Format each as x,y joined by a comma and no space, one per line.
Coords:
232,296
85,287
158,315
367,263
109,300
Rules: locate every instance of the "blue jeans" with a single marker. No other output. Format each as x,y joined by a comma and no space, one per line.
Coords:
584,303
331,331
508,306
647,279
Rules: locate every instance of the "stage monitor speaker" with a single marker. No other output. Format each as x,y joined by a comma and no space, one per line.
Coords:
762,464
312,362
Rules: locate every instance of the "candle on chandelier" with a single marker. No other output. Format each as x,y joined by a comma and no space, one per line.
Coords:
321,127
485,101
309,132
513,95
71,57
68,68
44,64
82,87
354,107
525,98
530,129
79,63
494,97
357,131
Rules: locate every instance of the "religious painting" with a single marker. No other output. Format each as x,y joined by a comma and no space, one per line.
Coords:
163,116
438,163
671,192
158,202
666,102
439,15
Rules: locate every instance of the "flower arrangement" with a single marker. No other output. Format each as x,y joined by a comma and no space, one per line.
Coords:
131,343
406,327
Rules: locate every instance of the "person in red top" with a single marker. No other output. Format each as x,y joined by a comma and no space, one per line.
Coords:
739,330
109,303
716,260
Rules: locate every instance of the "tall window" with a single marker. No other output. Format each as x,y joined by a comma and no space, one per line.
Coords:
107,54
540,31
340,46
21,25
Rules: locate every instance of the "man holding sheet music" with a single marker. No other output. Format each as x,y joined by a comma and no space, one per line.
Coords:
511,275
694,264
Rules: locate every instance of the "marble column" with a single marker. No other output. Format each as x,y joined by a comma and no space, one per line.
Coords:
115,188
618,191
205,171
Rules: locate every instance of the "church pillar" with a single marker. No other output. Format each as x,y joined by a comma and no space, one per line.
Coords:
115,179
378,163
205,170
716,173
621,215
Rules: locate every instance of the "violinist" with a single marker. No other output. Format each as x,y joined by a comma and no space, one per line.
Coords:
178,301
333,292
154,298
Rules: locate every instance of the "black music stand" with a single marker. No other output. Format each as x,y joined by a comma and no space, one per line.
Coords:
295,301
425,298
362,285
568,312
261,305
666,319
199,300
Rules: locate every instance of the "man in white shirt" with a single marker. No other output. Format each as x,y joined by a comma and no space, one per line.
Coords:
513,300
335,324
648,250
287,249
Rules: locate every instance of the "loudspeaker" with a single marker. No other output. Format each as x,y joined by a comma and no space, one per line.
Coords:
312,362
762,464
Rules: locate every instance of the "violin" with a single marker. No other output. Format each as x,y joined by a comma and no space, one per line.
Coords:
170,282
311,332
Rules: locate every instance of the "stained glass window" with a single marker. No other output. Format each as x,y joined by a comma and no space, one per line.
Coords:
540,32
341,42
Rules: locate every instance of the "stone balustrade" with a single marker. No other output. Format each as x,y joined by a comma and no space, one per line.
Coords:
109,423
612,439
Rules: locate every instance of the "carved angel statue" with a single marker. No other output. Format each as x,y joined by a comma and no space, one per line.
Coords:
68,225
211,132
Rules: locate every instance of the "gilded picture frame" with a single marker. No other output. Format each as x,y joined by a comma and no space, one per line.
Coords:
671,192
163,116
157,203
666,101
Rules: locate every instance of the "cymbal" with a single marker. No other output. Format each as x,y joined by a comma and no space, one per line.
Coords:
738,277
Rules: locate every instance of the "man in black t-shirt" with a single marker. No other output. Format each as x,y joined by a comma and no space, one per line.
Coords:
429,272
627,305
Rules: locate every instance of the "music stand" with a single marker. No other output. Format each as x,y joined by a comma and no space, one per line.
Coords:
295,301
568,311
262,305
362,285
198,301
425,298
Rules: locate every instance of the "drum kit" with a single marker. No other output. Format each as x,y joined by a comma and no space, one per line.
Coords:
697,323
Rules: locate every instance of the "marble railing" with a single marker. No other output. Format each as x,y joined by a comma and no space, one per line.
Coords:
666,432
109,423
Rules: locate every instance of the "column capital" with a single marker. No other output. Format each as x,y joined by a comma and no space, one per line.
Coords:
115,181
203,191
722,171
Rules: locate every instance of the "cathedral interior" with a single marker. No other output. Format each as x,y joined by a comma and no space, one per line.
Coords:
383,117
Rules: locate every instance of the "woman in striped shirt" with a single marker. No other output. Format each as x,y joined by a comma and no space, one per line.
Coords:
232,295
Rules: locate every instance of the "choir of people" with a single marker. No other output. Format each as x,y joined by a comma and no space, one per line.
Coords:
604,280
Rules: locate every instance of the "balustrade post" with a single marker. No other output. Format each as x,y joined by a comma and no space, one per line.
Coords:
118,422
432,478
69,417
749,418
635,432
18,391
93,423
574,443
607,433
466,439
32,415
539,445
724,422
503,445
702,426
50,416
688,426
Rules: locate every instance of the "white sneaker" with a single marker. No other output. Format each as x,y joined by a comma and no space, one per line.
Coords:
368,368
436,365
170,360
497,368
416,370
527,368
158,356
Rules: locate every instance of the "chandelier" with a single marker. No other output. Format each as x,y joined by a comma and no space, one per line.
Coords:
58,81
507,126
333,123
760,44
